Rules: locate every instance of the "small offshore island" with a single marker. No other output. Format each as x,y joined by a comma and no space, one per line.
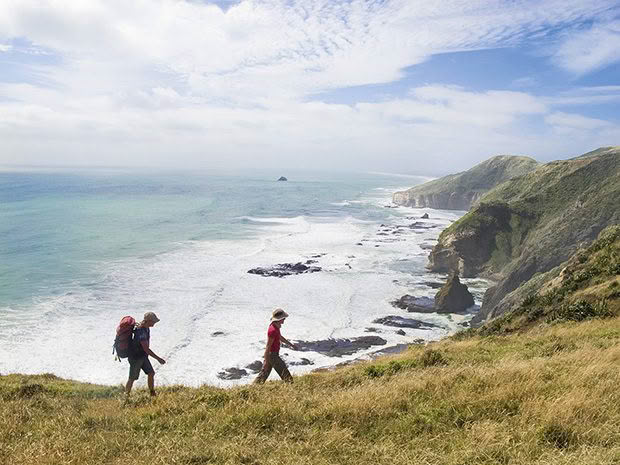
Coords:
535,383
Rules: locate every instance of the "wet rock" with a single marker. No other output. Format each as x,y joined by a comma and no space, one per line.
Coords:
400,332
341,347
255,366
415,304
425,216
432,284
359,243
311,262
426,246
232,373
401,322
218,333
371,330
284,269
301,362
282,178
453,297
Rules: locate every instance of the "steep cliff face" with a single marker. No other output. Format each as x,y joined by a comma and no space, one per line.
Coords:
532,224
461,191
481,242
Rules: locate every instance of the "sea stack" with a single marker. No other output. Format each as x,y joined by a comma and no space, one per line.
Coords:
282,178
453,297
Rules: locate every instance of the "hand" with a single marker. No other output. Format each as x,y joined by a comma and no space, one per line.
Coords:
161,360
294,346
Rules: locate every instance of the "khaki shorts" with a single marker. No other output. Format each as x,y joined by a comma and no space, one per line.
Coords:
276,363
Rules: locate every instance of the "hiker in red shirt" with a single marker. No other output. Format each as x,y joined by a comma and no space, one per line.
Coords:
272,351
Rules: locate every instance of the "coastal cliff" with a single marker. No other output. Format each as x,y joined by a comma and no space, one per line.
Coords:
463,190
531,224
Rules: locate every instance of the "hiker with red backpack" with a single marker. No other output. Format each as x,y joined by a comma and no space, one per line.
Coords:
133,342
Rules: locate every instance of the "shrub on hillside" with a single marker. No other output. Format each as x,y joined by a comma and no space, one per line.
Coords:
432,358
580,311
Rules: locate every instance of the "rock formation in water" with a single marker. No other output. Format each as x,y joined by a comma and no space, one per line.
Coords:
453,297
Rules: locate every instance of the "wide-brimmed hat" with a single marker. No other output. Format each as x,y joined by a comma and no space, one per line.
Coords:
278,315
150,316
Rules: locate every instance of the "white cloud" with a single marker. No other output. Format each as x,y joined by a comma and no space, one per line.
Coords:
5,48
592,49
570,120
174,82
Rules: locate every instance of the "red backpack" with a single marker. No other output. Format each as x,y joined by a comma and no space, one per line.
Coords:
124,334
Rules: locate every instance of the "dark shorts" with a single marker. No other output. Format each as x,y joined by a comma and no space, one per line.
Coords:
137,364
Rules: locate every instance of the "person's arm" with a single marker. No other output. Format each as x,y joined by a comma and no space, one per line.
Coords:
266,356
148,351
288,343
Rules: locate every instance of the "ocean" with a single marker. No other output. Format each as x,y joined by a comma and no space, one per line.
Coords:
79,249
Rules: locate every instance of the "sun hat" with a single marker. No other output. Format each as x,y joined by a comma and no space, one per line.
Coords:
150,316
278,314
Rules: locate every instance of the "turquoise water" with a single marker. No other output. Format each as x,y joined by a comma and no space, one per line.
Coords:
55,226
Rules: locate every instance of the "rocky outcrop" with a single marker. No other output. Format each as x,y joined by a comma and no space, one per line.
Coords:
282,178
401,322
453,297
415,304
463,190
286,269
341,347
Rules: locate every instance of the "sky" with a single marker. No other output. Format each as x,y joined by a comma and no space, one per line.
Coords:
401,86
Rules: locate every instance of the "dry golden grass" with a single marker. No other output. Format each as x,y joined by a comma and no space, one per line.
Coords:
549,396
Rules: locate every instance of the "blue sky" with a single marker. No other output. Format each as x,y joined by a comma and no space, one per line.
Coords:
386,85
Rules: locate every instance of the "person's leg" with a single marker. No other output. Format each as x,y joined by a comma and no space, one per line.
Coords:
150,373
263,374
280,367
151,383
134,372
128,387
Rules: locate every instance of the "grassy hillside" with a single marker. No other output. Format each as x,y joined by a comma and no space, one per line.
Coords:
460,191
548,396
533,223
